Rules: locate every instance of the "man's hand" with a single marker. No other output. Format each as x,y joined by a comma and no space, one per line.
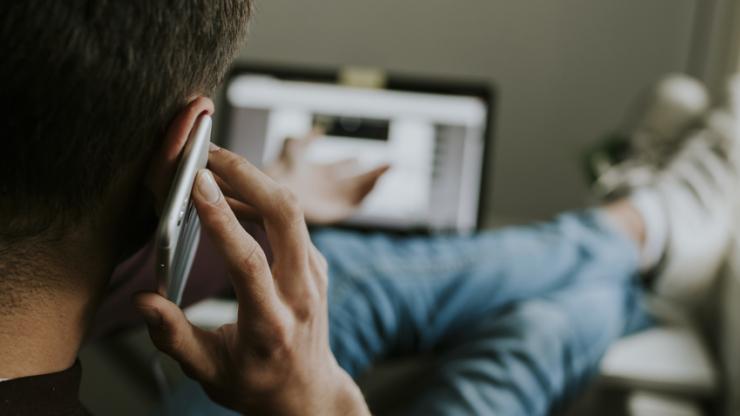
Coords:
276,358
328,193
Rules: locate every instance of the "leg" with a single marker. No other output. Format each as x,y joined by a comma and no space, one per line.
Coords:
530,358
391,296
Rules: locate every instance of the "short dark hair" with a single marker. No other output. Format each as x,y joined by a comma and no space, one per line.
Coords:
88,89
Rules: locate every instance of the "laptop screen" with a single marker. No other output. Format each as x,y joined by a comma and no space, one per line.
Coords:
433,142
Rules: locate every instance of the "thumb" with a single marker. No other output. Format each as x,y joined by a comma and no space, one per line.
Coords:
193,348
365,182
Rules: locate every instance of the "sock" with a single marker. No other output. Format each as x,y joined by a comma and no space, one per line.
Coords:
648,203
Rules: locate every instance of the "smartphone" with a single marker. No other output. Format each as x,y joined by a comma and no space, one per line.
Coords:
178,232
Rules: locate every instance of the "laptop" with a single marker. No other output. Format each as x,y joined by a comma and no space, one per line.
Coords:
433,133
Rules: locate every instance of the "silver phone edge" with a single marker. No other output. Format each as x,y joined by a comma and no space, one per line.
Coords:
167,233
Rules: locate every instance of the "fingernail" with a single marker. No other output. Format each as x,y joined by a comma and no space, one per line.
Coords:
151,316
213,148
207,187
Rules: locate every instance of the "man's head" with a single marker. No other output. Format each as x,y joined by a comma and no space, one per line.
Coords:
90,89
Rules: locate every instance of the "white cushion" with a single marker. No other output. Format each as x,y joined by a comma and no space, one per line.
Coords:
665,359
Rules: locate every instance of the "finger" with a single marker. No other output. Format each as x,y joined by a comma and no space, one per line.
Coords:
246,262
224,187
284,222
193,348
293,149
243,212
364,183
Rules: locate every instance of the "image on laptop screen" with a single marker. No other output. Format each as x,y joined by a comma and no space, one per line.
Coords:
433,142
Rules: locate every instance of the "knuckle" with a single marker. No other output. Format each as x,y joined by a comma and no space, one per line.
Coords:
280,342
253,258
237,163
169,341
221,217
306,308
304,312
285,197
287,204
277,344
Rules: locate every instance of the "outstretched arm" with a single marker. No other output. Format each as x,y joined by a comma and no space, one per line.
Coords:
329,192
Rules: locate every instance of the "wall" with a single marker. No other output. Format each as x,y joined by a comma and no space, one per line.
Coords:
716,43
565,70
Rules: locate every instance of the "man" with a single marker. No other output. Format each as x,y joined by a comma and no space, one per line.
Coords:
99,100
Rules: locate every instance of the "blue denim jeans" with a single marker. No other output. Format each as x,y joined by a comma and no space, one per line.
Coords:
517,319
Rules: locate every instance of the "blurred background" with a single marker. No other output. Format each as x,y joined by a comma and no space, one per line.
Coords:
565,70
565,73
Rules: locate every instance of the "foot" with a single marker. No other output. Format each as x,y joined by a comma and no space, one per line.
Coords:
664,116
687,197
698,193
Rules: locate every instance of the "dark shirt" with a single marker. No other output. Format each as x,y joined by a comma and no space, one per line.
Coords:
55,394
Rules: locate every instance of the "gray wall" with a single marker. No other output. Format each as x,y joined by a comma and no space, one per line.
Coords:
565,70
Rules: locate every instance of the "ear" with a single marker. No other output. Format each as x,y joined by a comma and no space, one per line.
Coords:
164,163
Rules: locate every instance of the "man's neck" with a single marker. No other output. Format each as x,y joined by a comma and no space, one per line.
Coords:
47,312
45,341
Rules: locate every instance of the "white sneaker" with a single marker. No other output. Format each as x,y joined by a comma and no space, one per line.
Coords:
684,178
677,105
664,117
698,190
